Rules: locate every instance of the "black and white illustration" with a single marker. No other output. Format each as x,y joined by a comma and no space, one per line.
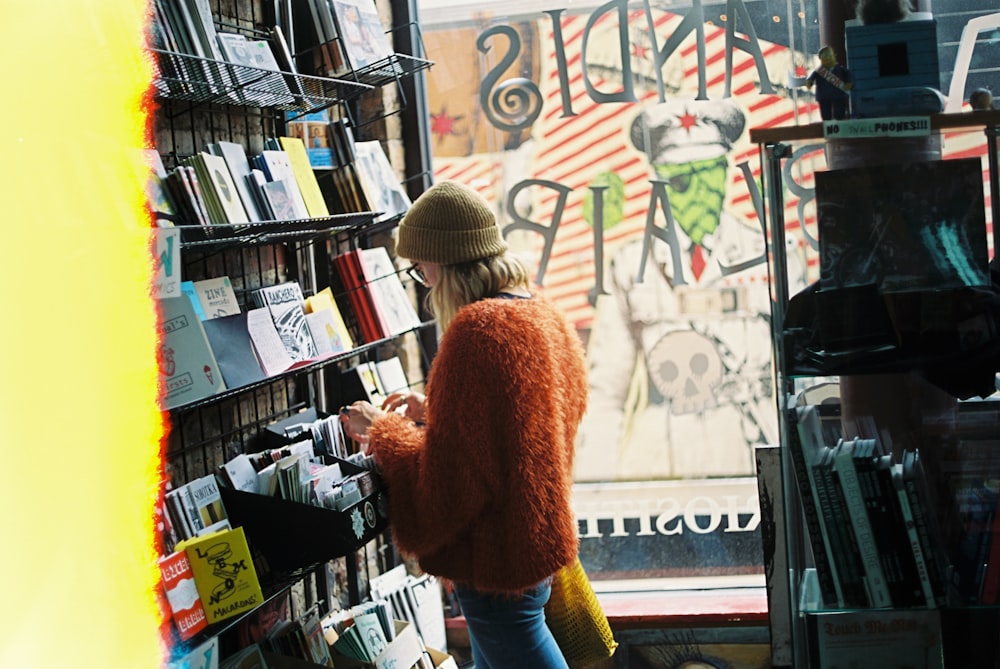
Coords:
284,301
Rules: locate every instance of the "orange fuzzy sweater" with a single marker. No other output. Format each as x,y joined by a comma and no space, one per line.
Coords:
481,495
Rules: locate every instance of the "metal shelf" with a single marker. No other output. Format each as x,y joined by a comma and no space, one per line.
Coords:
304,367
389,69
203,80
230,235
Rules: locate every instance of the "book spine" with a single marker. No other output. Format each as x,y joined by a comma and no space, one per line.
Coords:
881,530
173,67
176,510
167,535
906,513
339,288
357,296
188,69
286,63
182,196
205,81
928,532
844,547
378,306
197,196
855,589
190,509
843,550
254,181
367,300
814,502
898,562
811,502
201,179
847,477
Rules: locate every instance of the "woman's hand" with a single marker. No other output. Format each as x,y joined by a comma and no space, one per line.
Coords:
413,403
357,418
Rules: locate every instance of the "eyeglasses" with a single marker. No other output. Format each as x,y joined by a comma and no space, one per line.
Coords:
417,275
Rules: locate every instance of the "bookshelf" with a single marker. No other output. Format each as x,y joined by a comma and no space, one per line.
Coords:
201,99
886,361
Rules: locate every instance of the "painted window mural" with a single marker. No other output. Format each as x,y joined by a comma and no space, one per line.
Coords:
613,140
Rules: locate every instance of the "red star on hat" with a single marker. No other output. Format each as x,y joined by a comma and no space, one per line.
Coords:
688,120
443,125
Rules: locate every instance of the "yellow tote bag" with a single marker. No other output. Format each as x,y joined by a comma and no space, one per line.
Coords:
576,618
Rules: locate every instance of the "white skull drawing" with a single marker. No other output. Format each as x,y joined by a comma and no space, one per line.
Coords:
686,368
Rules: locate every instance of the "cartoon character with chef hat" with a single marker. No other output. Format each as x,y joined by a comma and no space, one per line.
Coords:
688,390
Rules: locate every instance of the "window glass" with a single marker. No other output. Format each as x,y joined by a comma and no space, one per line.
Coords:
613,140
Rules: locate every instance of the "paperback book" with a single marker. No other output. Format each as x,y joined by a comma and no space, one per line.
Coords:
255,182
806,449
328,57
295,148
182,595
363,640
206,502
379,182
182,185
240,474
361,32
362,382
187,288
393,307
223,573
324,333
313,130
192,30
277,166
342,141
234,349
166,262
218,188
323,300
236,160
250,657
267,344
392,375
280,200
187,365
255,86
216,297
285,304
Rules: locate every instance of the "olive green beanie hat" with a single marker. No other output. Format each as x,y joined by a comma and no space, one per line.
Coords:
449,224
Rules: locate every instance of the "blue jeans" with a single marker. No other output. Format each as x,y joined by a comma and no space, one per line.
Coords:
510,632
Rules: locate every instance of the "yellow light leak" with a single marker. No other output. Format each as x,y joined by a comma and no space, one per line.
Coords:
79,422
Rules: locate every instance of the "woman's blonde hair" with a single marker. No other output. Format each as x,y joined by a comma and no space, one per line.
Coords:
464,283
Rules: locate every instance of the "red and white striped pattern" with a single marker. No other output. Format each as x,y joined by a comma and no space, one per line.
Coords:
573,150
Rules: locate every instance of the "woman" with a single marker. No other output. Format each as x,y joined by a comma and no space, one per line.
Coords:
479,471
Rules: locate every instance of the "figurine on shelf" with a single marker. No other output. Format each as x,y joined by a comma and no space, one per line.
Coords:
833,85
981,99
